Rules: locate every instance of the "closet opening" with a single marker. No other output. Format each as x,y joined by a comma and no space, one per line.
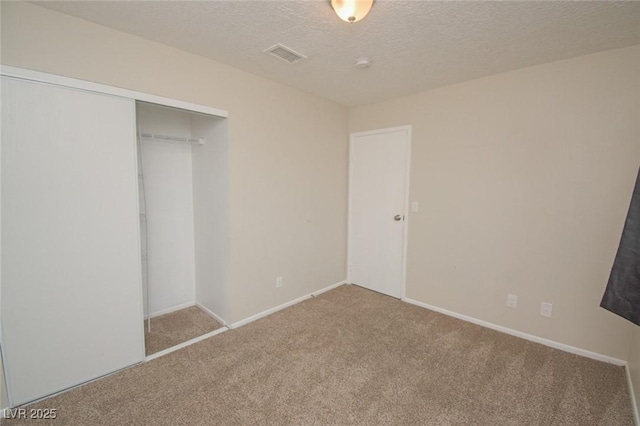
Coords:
184,224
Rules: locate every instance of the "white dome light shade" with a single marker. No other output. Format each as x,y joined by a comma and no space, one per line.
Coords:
351,10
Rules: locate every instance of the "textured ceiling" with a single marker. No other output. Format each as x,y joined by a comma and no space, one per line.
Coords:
413,45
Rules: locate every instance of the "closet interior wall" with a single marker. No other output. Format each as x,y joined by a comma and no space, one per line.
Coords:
184,207
210,166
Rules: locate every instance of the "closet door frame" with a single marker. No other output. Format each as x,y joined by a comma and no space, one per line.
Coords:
59,80
65,82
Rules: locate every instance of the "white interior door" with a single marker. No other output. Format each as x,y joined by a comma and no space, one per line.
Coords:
71,293
378,189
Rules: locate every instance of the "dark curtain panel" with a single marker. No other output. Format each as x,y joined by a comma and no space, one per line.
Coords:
622,295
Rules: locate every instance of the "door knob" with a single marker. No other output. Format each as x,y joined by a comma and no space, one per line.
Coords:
398,217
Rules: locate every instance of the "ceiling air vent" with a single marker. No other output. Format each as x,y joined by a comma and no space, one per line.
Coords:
286,54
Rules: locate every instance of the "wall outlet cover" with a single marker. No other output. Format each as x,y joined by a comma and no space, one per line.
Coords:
545,309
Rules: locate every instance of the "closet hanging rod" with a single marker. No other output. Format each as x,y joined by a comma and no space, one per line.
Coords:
167,138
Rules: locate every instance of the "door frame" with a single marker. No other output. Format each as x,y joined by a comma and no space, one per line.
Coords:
405,235
74,83
24,74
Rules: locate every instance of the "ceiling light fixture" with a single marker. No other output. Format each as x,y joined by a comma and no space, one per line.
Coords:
351,10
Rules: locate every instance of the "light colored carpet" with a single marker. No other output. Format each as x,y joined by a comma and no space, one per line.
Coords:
352,356
177,327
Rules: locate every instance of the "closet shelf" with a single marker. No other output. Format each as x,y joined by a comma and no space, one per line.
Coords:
167,138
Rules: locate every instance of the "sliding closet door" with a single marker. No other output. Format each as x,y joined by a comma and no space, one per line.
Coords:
71,294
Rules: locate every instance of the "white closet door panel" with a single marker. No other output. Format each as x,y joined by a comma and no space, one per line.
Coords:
71,294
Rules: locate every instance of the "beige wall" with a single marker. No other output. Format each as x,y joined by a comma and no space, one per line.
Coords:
524,180
288,149
634,364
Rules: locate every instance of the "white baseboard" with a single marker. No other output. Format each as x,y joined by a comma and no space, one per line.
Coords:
331,287
268,312
634,406
185,344
283,306
211,314
531,337
172,309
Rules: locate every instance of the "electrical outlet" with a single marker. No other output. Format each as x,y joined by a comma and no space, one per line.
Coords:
545,309
279,282
512,301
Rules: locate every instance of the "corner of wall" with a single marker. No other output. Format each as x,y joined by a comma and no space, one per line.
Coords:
633,373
